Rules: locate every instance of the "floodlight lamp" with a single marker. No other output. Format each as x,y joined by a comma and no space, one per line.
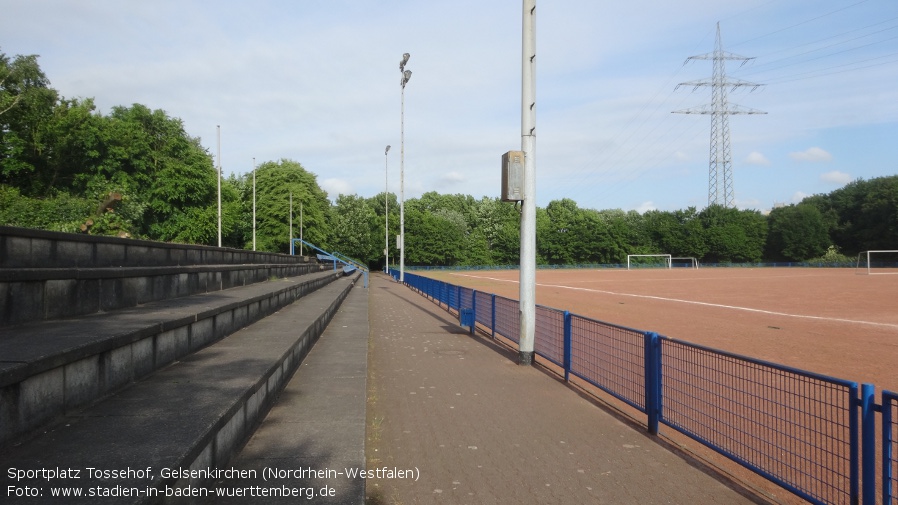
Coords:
388,150
404,60
406,76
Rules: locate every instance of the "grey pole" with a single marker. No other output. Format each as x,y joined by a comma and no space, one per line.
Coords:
386,212
254,204
219,184
406,75
528,216
290,220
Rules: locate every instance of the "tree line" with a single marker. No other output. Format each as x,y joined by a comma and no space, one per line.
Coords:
136,172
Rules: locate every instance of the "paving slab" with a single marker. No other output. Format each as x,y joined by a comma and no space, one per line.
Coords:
314,436
472,426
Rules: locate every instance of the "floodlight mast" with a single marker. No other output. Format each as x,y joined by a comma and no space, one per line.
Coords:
403,80
386,212
528,207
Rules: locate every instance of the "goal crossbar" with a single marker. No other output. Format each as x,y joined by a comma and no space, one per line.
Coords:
868,256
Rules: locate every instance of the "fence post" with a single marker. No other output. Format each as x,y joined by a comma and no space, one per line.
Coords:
653,380
886,448
493,317
567,346
868,444
473,310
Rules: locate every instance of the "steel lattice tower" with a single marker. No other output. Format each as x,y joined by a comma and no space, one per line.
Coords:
720,160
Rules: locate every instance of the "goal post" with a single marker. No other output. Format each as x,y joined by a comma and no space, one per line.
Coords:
662,261
877,262
688,262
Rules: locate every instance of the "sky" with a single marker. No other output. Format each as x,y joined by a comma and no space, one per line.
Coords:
317,81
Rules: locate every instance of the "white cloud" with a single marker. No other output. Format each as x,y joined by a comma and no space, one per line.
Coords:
335,187
799,196
452,177
814,155
681,156
836,177
645,207
756,158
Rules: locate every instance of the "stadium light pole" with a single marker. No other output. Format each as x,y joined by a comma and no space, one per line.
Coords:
528,215
403,80
219,184
254,204
386,212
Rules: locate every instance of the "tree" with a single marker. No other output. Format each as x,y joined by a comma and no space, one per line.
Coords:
275,181
796,233
354,227
733,235
26,105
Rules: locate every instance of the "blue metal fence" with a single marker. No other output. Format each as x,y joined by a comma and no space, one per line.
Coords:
811,434
890,448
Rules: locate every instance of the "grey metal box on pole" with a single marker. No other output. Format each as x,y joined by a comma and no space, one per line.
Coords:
513,176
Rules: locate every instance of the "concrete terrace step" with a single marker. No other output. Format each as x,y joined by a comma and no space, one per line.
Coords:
29,294
50,367
191,415
315,433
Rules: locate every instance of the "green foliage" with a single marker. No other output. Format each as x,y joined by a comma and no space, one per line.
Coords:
797,232
275,183
862,215
832,257
353,230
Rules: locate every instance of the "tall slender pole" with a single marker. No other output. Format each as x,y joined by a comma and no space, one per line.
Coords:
406,75
254,204
291,222
219,184
528,216
386,212
300,228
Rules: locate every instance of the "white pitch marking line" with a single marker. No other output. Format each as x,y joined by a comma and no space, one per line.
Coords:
692,302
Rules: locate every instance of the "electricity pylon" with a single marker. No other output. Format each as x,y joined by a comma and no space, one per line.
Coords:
720,160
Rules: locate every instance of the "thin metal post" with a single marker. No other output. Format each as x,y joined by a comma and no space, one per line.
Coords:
473,310
887,448
567,346
386,211
652,356
493,317
219,184
290,219
254,204
528,215
868,444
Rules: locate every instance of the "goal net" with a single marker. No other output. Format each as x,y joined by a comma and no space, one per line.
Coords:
648,261
686,262
877,262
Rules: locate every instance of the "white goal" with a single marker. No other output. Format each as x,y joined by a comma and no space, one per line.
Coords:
656,261
687,262
877,262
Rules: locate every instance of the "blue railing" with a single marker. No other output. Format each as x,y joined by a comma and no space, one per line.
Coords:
812,434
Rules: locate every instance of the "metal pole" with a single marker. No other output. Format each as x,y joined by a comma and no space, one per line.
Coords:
290,220
528,216
301,220
219,184
406,75
386,212
254,204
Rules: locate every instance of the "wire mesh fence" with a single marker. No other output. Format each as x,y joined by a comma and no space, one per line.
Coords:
803,431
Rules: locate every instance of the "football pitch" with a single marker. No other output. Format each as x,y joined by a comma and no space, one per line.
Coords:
832,321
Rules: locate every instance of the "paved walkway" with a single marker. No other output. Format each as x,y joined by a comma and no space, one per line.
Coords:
475,427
